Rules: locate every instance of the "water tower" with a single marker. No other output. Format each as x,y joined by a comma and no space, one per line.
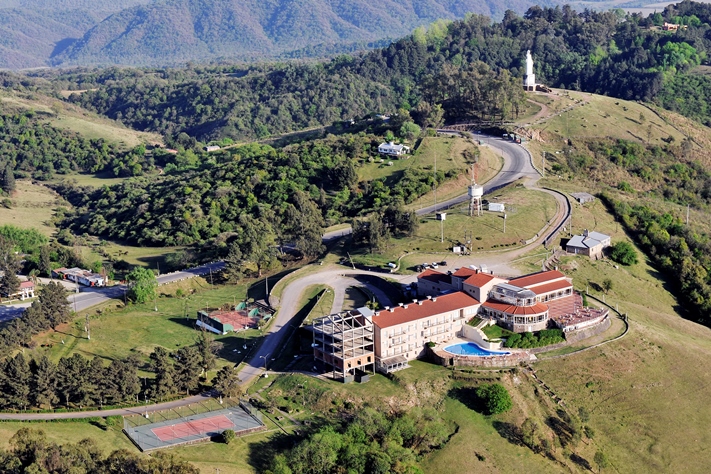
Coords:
476,191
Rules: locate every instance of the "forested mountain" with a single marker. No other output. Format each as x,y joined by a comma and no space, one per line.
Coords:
176,31
605,53
32,31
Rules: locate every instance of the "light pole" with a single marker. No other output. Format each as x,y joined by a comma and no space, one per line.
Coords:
265,360
504,223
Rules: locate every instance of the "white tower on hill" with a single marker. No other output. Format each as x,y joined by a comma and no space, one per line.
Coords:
476,191
529,79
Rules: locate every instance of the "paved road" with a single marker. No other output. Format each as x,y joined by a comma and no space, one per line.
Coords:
288,307
517,165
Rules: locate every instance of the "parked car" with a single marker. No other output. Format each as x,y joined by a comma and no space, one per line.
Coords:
425,265
434,265
443,263
392,265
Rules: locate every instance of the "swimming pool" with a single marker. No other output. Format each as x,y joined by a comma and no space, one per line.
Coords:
471,349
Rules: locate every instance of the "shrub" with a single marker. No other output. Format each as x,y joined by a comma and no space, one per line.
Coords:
495,398
624,253
228,436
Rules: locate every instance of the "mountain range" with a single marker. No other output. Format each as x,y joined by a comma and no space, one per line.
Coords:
36,33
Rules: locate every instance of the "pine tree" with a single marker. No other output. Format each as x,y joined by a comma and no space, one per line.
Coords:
187,373
44,382
8,179
17,382
227,383
53,304
9,266
206,350
164,382
45,262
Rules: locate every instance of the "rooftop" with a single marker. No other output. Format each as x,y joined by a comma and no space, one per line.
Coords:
537,308
554,286
423,309
464,272
479,279
537,278
434,276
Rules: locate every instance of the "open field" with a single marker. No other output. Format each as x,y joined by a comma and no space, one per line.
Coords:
107,438
76,119
32,207
95,180
602,116
527,213
490,163
446,150
138,329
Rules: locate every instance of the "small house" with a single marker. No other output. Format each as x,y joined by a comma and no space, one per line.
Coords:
210,148
26,290
497,207
589,243
78,275
392,149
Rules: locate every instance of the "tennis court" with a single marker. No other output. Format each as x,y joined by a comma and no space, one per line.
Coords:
169,428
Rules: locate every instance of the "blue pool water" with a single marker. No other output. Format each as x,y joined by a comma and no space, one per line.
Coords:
471,349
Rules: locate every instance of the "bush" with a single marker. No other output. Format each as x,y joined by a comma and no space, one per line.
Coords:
228,436
624,253
495,398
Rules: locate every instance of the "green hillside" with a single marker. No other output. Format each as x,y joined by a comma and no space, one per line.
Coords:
177,31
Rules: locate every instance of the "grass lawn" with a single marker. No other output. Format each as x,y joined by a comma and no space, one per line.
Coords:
138,329
32,207
496,332
527,213
107,438
323,305
490,163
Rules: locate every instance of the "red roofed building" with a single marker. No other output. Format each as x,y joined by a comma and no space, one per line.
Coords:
400,333
26,290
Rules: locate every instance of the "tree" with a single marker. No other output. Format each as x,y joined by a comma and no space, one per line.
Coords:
206,350
44,381
164,381
53,305
228,436
624,253
227,382
187,368
142,284
601,460
495,397
607,285
233,264
8,179
16,386
9,266
410,130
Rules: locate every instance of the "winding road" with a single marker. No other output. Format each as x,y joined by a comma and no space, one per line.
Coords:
517,165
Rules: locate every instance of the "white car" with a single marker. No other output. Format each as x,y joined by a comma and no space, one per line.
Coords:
434,265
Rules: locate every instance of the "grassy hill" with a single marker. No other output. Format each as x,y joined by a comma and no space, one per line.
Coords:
73,118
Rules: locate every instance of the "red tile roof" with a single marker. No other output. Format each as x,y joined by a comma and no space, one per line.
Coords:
414,311
464,272
537,278
547,288
434,277
537,308
27,284
479,279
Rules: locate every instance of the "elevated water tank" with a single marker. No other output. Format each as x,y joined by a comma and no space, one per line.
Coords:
476,191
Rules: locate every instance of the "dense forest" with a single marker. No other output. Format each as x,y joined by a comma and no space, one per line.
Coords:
31,147
282,195
625,56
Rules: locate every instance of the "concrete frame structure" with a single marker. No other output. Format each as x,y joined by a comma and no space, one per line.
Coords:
344,341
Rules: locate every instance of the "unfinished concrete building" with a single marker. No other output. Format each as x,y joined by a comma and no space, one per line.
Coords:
344,342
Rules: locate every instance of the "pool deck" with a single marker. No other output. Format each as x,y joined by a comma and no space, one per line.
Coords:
515,357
